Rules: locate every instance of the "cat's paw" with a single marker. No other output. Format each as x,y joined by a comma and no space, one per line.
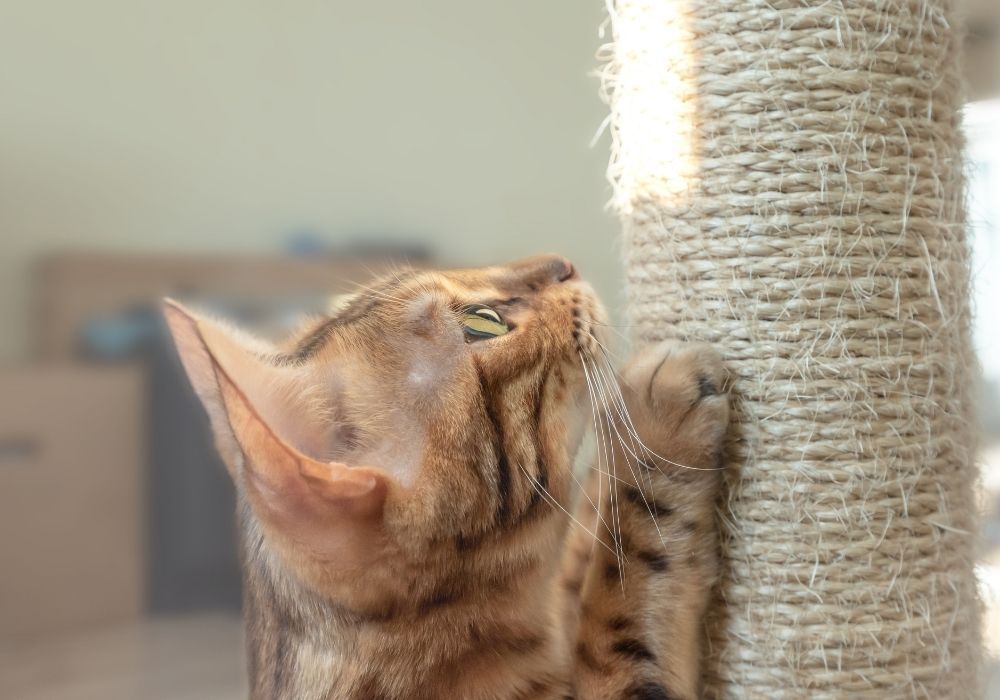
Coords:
675,393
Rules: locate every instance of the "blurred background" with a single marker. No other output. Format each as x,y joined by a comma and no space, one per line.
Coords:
254,157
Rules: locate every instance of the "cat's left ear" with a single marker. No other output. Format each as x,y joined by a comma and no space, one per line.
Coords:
266,428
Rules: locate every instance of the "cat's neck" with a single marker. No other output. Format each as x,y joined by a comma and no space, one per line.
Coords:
300,645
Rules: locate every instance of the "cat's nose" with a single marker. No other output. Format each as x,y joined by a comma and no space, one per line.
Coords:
544,269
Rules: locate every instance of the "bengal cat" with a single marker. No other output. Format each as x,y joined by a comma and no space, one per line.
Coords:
404,470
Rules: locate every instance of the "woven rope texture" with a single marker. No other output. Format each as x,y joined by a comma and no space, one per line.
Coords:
789,179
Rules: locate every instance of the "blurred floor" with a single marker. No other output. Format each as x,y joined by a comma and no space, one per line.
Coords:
180,658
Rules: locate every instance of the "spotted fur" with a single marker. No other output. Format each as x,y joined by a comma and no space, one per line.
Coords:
405,495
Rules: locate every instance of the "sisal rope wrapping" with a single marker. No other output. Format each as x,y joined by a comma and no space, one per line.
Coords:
789,180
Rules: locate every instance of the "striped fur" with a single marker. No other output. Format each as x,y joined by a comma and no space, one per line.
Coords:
405,496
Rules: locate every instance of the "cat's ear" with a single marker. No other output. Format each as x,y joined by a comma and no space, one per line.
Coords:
266,426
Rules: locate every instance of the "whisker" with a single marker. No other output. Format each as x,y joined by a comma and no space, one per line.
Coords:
631,435
544,493
612,485
604,349
583,489
613,476
630,427
597,448
621,409
598,434
602,376
613,325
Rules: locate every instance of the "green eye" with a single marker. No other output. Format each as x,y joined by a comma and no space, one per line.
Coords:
482,322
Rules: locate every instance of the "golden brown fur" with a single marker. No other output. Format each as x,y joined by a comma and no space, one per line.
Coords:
405,495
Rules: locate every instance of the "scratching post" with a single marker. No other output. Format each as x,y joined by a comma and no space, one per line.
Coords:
788,176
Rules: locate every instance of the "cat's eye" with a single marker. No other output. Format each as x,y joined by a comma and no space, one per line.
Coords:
481,321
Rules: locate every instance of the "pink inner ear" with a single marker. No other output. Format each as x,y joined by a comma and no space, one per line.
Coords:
282,396
288,480
278,395
265,412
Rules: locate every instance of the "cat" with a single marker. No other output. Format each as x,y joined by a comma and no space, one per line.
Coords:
404,471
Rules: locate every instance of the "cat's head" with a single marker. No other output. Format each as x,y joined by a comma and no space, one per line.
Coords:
431,415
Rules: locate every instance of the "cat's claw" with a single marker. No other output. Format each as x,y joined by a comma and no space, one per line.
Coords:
675,393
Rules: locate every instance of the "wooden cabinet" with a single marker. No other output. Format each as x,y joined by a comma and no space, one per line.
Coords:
71,498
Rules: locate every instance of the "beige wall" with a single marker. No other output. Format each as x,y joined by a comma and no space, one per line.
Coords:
219,125
982,46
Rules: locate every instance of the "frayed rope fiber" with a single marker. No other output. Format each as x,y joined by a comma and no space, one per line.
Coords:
789,180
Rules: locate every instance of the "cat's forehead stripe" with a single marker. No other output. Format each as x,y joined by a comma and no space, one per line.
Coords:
354,309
